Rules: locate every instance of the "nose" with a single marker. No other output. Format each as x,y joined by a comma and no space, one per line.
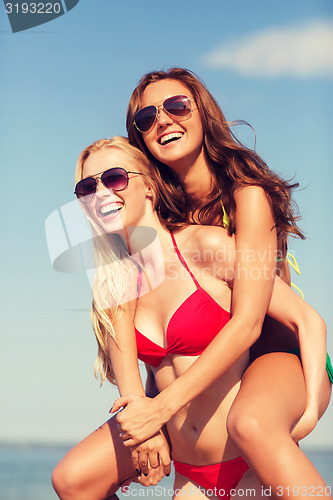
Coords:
104,192
101,190
163,118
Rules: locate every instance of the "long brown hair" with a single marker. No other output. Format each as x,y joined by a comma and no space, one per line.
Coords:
230,162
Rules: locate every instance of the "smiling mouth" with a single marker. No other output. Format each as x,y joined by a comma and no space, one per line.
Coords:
110,209
166,139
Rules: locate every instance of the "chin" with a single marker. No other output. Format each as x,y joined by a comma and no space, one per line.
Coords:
112,226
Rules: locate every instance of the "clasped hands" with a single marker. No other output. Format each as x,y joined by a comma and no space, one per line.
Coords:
139,425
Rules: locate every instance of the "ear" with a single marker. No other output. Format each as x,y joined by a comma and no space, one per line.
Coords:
149,192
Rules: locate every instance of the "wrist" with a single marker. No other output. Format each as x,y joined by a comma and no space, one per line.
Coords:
167,405
125,394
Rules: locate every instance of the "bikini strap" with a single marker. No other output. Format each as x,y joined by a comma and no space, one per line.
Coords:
182,260
139,282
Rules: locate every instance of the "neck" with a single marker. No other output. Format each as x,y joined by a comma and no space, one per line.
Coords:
195,177
150,246
197,182
146,233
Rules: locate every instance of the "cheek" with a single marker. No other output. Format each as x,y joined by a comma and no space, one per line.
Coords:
198,128
91,212
201,137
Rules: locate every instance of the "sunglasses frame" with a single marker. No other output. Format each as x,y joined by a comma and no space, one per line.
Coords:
99,176
165,111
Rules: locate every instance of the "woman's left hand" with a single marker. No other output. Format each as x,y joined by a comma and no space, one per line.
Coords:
140,419
151,460
153,455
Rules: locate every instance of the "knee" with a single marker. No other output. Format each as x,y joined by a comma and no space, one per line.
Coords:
246,428
65,482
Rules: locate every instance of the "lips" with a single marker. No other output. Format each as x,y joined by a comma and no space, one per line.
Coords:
110,209
170,137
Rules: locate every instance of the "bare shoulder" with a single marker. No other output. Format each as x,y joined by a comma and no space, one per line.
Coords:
254,211
249,192
253,195
211,239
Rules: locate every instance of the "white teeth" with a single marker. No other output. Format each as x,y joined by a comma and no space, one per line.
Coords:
170,137
112,207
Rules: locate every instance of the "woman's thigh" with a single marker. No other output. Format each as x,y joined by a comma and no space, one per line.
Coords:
249,488
95,467
272,395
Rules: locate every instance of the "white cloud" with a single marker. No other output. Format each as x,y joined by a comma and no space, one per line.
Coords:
302,51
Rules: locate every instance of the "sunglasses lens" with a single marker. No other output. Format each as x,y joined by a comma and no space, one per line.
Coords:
86,189
115,178
179,105
144,119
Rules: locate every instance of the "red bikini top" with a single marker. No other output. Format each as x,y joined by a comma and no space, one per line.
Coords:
191,328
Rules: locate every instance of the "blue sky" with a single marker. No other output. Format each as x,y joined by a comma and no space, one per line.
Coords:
67,83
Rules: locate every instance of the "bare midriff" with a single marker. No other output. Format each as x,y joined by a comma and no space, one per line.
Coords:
198,431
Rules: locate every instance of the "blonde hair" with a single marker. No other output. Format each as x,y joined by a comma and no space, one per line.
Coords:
115,270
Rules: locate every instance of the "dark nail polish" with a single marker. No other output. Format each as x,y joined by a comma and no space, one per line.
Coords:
145,474
137,471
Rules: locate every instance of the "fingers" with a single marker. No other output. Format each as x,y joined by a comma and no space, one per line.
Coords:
166,462
124,435
151,459
153,477
164,453
154,460
144,463
118,404
140,461
135,460
129,443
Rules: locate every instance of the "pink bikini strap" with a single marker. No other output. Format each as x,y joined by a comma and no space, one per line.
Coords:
182,260
139,282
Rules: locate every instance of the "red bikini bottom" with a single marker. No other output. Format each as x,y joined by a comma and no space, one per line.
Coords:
220,479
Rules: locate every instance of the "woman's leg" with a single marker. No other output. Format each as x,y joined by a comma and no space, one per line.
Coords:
249,488
95,467
270,401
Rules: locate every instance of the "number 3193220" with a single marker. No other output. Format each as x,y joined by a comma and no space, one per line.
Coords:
33,8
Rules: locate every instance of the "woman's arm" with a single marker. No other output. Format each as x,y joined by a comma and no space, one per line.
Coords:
123,353
255,265
151,457
288,308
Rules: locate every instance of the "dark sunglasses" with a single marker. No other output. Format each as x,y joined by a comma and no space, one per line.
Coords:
178,106
115,178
